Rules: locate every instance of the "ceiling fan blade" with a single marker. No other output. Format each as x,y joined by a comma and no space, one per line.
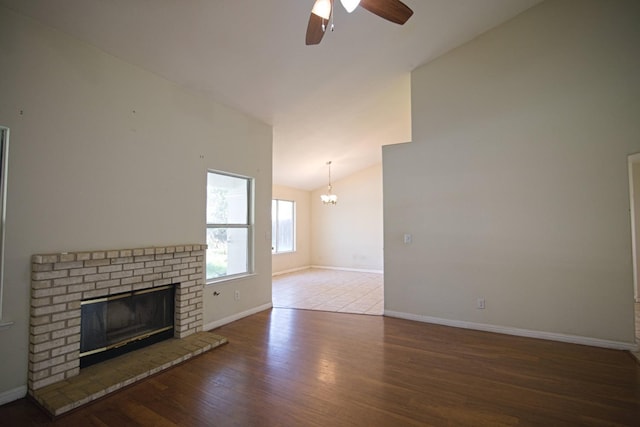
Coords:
314,30
391,10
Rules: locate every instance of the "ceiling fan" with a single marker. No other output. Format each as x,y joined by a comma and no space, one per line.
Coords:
322,11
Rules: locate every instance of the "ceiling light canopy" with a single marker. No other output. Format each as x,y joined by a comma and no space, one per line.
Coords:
350,5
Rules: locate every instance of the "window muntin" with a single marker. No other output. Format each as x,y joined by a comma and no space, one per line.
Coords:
229,226
283,236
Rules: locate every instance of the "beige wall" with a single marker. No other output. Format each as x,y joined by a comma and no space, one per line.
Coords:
301,258
516,186
106,155
349,234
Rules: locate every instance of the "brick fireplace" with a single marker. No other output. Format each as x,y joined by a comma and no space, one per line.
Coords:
60,281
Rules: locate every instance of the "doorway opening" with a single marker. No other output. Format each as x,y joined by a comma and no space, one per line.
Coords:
335,259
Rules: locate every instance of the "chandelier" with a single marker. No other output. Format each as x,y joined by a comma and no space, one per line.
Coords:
329,199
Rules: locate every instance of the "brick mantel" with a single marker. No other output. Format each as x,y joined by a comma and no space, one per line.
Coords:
60,281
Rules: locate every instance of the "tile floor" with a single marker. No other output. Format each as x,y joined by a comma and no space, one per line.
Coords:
330,290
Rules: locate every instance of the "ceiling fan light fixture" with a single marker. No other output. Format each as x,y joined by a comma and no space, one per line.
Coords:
350,5
392,10
322,8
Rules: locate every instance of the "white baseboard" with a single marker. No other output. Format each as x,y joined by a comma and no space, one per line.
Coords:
5,325
552,336
11,395
360,270
237,316
292,270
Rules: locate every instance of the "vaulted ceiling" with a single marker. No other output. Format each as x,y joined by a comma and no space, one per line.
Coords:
341,100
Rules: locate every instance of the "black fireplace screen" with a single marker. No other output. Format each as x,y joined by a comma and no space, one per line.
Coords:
118,320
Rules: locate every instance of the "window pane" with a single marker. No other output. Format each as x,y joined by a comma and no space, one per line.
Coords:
227,251
283,237
285,226
274,227
227,199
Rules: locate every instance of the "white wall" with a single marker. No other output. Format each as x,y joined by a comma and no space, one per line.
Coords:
106,155
301,258
516,186
349,234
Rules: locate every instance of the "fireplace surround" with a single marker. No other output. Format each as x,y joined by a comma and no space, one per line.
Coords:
61,281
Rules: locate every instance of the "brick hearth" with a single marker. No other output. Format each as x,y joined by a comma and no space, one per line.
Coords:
61,280
97,381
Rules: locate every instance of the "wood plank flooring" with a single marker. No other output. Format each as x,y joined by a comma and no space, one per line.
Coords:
286,367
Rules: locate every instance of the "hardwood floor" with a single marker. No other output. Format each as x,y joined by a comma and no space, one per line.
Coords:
310,368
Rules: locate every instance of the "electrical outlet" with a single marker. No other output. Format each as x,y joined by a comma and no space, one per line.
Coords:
480,303
236,295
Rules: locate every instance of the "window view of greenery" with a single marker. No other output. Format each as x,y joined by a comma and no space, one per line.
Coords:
228,225
283,214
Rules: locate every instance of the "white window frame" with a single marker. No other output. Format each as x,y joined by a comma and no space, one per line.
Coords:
274,249
248,225
4,169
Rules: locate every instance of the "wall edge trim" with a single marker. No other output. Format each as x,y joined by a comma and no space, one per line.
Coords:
360,270
291,270
552,336
13,394
237,316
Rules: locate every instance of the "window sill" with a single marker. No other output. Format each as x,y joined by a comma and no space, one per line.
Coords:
222,280
283,253
5,325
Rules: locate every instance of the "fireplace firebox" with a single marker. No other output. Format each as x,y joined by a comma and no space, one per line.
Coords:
116,324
